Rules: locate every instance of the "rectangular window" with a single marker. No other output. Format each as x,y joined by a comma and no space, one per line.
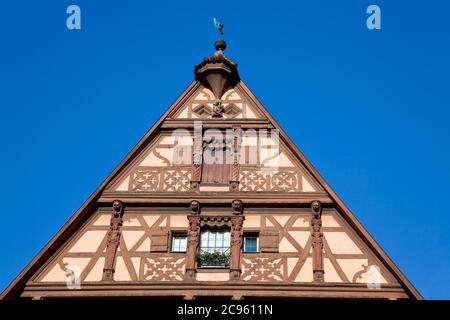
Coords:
215,241
251,242
178,242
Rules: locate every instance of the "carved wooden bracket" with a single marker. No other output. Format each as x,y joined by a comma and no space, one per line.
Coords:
193,239
113,240
197,156
317,241
236,239
235,166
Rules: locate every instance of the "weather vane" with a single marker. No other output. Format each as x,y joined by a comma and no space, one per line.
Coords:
218,25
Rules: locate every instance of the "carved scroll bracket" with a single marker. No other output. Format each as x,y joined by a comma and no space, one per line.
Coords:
113,240
317,241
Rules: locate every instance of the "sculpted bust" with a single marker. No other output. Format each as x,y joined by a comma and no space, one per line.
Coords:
117,208
316,207
195,207
237,207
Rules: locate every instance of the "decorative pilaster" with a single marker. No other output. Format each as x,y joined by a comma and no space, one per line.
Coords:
234,175
193,239
317,241
236,239
197,156
113,240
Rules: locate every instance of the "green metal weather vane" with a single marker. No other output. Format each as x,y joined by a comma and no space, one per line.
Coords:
218,25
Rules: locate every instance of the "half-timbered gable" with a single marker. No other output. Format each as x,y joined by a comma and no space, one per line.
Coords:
214,200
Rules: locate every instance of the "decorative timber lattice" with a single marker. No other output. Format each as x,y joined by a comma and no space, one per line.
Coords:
162,179
162,268
262,269
285,180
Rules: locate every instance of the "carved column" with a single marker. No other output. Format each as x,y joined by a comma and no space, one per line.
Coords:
317,241
197,156
236,239
113,240
193,239
234,175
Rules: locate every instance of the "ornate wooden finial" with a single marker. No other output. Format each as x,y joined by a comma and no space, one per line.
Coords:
195,207
237,206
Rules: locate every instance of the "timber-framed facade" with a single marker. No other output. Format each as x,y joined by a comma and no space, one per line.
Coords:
255,223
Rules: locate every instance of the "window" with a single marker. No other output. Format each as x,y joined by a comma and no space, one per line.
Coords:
215,241
251,242
178,242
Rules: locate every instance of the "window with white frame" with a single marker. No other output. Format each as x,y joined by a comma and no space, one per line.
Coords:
178,242
215,241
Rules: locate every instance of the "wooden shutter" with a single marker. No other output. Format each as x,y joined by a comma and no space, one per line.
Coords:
160,240
268,240
216,172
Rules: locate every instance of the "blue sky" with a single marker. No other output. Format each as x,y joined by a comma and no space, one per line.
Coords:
369,109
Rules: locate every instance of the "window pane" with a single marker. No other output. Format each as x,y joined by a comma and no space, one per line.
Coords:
183,242
226,239
178,243
212,239
215,240
250,244
204,239
219,240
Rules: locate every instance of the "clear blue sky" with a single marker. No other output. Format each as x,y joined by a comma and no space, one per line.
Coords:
369,108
